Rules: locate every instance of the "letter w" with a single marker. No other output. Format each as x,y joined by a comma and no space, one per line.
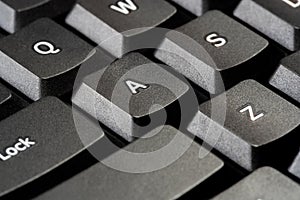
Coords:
123,7
250,110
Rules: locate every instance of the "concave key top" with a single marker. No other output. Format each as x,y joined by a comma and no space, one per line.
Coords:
15,14
287,76
213,51
40,138
42,59
258,123
263,184
278,19
141,178
125,94
112,24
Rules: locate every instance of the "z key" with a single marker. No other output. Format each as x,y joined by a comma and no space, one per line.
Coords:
258,123
15,14
42,59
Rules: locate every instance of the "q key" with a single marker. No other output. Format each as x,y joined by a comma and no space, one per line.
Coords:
42,59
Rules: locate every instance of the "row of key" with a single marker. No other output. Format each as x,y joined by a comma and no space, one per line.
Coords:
41,58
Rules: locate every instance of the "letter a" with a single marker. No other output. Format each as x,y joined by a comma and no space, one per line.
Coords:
134,86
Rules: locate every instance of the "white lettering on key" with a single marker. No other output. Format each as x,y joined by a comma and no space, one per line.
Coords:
124,7
51,49
251,113
293,3
134,86
21,145
216,40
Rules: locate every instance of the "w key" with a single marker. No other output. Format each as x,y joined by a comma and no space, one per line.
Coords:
125,94
113,23
42,59
257,124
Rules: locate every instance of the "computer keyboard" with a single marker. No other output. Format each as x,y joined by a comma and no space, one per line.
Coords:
141,99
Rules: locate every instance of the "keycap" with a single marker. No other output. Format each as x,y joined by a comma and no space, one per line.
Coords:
40,138
264,183
279,19
287,76
112,24
215,45
199,7
124,94
251,126
9,102
16,14
42,59
169,182
295,166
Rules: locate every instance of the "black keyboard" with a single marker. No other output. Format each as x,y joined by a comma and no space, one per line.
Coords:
141,99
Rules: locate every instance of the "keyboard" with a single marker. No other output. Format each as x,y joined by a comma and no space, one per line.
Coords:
140,99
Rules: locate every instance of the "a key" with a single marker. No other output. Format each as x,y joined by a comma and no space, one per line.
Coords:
287,76
39,138
169,182
9,102
278,19
15,14
113,23
258,123
219,46
42,59
199,7
124,94
263,184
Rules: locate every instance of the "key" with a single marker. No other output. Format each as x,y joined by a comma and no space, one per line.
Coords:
264,183
107,183
199,7
218,46
16,14
257,122
106,21
42,59
279,19
124,94
38,139
9,102
295,167
287,76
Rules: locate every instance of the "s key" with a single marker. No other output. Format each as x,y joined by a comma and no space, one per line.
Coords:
125,94
257,123
42,59
15,14
106,21
211,46
278,19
